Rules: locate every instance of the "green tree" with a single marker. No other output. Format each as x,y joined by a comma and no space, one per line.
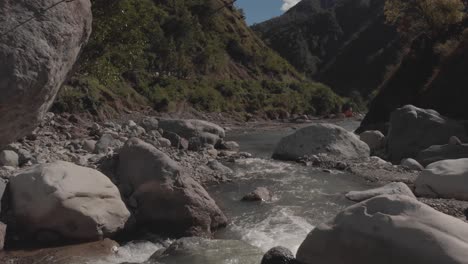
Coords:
428,16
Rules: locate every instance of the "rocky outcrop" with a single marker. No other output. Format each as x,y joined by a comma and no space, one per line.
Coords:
207,132
442,152
164,197
389,189
201,251
35,58
63,202
387,229
444,179
413,129
321,139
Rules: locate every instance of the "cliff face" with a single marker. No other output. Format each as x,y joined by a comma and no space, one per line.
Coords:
344,43
433,74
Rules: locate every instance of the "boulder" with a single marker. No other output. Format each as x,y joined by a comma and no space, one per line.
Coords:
279,255
176,140
164,142
166,199
208,132
442,152
204,251
387,229
61,201
36,58
391,188
321,139
150,123
89,145
444,179
259,194
374,139
9,158
105,143
411,164
413,129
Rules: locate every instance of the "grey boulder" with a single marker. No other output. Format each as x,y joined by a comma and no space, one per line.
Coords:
9,158
208,132
374,139
442,152
279,255
165,198
321,139
35,59
391,188
411,164
413,129
63,201
387,229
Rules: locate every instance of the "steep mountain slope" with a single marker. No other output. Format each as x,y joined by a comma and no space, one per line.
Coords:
172,54
433,74
342,43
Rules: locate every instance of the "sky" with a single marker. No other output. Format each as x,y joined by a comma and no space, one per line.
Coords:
260,10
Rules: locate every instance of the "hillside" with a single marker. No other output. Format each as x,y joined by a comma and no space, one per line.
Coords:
169,55
342,43
433,74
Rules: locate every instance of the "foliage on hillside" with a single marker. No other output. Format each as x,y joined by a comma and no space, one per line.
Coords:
345,44
164,53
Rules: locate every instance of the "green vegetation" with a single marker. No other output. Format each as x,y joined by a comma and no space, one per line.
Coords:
170,53
429,16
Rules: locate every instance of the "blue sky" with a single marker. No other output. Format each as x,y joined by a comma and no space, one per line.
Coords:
261,10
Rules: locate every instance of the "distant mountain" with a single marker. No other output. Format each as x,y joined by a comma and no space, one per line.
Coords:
168,55
342,43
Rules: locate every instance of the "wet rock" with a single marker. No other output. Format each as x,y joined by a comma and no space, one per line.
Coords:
279,255
391,188
321,139
411,164
63,202
374,139
442,152
3,228
228,145
150,123
9,158
202,251
413,129
260,194
207,132
168,200
36,58
176,140
444,179
364,233
218,166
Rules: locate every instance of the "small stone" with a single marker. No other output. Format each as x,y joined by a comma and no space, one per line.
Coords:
259,194
131,123
150,123
9,158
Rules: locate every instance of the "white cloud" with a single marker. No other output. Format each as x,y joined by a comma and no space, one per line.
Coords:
288,4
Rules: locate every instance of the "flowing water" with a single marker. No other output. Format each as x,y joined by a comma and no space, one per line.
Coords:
303,197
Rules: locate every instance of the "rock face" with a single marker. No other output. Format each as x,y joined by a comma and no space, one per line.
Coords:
36,58
165,198
387,229
444,179
374,139
321,138
63,201
203,251
208,132
413,129
391,188
442,152
279,255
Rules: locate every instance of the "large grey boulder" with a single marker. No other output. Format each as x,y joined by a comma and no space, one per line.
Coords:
444,179
413,129
63,201
208,132
388,229
205,251
321,139
165,198
391,188
442,152
35,58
